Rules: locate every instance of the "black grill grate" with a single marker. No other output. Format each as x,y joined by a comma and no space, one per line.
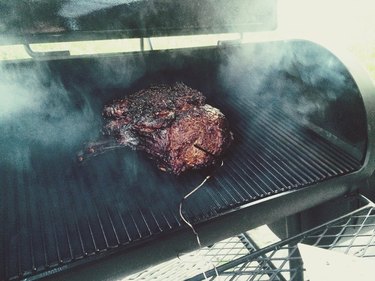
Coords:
55,212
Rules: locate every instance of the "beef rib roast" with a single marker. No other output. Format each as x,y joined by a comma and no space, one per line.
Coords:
172,124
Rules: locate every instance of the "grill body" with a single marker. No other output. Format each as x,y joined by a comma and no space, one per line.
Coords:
302,122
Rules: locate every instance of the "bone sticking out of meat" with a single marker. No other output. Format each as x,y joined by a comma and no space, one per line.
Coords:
99,147
172,124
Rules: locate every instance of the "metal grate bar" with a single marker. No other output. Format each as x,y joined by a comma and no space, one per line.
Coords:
67,212
279,156
276,121
336,154
272,156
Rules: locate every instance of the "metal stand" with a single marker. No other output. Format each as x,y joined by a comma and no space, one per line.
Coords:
240,258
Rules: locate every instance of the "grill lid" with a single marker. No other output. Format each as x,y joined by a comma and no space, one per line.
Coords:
31,21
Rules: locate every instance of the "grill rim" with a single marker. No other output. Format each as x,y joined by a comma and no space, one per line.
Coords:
366,87
228,224
345,184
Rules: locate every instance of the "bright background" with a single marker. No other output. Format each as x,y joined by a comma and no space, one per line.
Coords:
349,24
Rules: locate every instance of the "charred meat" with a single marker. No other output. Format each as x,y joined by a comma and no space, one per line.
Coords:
173,124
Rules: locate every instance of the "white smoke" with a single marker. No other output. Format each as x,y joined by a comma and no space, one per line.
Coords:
298,79
36,110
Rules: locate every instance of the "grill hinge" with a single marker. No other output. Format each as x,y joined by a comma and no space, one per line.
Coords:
230,42
46,55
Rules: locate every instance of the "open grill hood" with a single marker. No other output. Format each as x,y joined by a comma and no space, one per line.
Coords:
66,20
302,130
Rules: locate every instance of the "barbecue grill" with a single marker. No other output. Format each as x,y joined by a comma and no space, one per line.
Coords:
301,115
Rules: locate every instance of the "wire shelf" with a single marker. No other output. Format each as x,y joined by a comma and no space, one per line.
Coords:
239,258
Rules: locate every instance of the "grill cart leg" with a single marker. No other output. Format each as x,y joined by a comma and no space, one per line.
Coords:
286,228
295,263
292,228
264,262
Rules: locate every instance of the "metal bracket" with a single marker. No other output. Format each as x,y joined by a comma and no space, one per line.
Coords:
45,55
229,43
149,42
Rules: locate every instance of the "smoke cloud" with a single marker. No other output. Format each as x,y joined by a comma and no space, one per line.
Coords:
298,78
302,81
37,111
